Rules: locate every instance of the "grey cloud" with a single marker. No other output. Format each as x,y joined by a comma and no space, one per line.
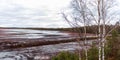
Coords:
16,15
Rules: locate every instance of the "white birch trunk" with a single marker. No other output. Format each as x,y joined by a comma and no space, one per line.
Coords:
104,32
99,29
86,52
99,39
82,4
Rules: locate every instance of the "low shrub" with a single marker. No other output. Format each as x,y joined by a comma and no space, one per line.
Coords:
66,56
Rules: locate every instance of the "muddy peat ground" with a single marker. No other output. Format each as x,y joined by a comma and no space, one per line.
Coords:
26,44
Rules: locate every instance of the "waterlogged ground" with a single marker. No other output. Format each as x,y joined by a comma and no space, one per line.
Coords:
13,37
40,52
30,34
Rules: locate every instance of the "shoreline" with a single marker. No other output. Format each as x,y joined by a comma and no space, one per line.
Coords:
11,44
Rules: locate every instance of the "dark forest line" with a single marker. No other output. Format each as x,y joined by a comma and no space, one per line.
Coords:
90,29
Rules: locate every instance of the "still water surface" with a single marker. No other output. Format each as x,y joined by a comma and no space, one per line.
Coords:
30,34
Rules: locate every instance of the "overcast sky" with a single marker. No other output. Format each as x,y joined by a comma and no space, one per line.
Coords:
33,13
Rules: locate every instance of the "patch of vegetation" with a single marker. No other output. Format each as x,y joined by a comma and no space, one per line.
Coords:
113,46
66,56
93,53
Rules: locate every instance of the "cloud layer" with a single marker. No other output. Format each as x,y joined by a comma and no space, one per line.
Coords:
32,13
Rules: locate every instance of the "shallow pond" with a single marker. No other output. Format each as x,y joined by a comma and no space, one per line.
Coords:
30,34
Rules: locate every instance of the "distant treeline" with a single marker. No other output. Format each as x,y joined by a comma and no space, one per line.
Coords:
90,29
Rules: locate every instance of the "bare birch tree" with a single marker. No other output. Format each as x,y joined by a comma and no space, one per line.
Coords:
80,17
100,12
103,16
74,29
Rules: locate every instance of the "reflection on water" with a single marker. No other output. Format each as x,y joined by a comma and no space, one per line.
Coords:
27,33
